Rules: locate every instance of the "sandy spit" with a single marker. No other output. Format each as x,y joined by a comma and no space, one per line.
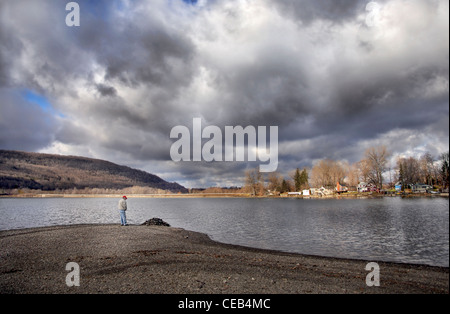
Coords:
114,259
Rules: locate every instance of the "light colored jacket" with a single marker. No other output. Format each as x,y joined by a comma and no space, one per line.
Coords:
122,204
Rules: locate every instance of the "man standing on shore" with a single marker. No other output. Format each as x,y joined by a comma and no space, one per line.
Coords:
122,209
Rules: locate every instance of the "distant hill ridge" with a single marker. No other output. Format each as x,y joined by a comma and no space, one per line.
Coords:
49,172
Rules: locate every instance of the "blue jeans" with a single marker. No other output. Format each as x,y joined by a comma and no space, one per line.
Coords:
123,217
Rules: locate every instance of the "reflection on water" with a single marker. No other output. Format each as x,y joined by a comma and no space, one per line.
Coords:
386,229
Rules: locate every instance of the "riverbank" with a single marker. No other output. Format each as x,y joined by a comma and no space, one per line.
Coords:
223,195
156,259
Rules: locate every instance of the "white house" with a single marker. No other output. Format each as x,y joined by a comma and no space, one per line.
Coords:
364,187
421,188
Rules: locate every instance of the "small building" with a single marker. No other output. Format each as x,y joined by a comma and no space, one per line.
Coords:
362,187
306,193
341,188
366,187
322,191
420,188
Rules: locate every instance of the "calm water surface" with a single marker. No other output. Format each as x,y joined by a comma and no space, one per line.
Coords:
385,229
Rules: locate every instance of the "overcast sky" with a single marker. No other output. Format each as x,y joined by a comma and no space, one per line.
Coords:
335,76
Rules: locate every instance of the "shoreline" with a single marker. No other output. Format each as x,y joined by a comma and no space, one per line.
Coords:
224,195
167,260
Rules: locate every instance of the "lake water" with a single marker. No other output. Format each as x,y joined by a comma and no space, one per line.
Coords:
383,229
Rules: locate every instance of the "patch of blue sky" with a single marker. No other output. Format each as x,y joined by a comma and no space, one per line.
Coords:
41,101
195,5
198,4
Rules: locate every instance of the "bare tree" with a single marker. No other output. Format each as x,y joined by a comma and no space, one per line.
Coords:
254,181
353,174
426,168
375,162
408,170
338,172
327,172
274,181
320,173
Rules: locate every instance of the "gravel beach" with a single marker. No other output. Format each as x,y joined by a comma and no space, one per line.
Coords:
116,259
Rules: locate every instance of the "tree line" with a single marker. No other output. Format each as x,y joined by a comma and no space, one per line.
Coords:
374,168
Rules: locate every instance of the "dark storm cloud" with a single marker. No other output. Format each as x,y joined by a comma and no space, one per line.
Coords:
106,90
137,51
142,53
333,10
10,46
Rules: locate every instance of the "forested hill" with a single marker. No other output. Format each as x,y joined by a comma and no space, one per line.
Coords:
49,172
